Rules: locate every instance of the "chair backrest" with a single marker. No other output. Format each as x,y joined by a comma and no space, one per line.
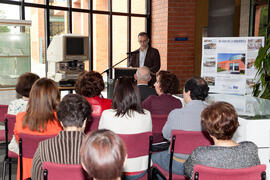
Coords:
136,144
158,121
9,125
29,143
186,141
139,144
3,111
53,171
201,172
92,125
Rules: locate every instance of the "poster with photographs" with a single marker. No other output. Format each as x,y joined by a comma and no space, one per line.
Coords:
228,63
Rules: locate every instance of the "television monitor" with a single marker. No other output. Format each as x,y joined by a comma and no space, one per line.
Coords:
67,47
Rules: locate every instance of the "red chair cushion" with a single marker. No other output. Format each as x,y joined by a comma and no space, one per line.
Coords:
2,135
211,173
158,121
64,171
12,154
134,148
3,111
166,173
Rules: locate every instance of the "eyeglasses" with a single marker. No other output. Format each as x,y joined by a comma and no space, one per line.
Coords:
145,41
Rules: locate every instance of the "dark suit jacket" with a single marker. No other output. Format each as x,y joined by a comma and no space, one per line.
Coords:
152,60
146,91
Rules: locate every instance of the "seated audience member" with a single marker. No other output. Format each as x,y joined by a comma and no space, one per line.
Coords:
23,87
143,77
188,118
90,84
128,117
166,85
221,121
73,112
40,116
103,155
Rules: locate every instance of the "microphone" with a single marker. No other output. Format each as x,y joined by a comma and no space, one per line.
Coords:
134,52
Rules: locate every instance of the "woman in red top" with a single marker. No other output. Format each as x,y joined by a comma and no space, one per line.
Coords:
90,84
40,116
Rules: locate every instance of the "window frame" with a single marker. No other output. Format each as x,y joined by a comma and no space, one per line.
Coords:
22,4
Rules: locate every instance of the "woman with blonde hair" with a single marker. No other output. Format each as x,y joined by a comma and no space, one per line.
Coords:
40,116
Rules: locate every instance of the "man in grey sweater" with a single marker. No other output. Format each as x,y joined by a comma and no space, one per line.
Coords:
187,118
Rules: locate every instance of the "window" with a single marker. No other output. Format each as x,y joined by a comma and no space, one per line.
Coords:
37,34
236,66
112,27
119,40
14,51
261,20
100,42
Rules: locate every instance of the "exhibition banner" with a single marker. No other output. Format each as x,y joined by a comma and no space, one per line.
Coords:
228,63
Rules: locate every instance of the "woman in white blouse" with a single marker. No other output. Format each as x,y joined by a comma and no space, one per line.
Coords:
23,87
128,117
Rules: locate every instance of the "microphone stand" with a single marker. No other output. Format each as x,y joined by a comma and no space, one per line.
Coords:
115,65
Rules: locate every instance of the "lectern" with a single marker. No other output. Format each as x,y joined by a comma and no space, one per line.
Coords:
123,71
118,72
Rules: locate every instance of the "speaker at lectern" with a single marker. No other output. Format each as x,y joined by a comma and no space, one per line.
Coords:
123,71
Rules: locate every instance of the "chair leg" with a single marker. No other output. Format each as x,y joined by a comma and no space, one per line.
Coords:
9,171
4,170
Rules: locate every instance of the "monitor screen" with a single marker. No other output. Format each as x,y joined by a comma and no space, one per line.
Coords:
75,46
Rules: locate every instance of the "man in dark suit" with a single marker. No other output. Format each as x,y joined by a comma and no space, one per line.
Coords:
145,55
143,77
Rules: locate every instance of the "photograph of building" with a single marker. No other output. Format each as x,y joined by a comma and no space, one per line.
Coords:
231,63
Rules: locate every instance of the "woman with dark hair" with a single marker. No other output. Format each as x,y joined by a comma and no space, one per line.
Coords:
128,117
40,117
23,87
72,112
166,85
103,155
90,84
220,120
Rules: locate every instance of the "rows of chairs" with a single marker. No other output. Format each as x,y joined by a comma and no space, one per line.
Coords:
3,111
180,143
10,157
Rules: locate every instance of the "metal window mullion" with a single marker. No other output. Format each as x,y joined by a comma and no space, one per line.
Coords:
268,19
129,27
22,15
47,33
90,32
110,39
251,18
22,10
148,17
69,16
